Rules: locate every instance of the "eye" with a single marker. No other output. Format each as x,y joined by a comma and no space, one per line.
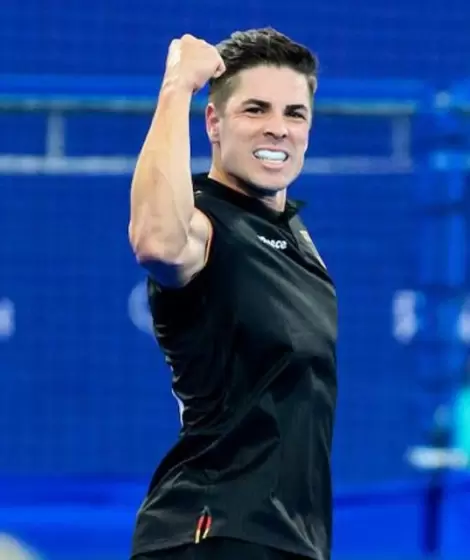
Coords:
297,115
254,110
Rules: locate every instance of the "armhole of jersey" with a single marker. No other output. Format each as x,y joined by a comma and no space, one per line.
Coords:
210,237
185,301
207,254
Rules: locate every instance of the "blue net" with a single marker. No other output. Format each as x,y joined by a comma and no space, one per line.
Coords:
359,39
84,391
94,392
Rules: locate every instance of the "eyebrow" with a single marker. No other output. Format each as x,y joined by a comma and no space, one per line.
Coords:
265,105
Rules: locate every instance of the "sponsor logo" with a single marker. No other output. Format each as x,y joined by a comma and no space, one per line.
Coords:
274,243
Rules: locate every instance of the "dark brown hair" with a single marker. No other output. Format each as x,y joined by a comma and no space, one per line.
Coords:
256,47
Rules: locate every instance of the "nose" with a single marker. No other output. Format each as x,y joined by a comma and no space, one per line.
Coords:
276,127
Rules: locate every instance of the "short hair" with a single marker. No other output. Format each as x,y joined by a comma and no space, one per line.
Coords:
260,47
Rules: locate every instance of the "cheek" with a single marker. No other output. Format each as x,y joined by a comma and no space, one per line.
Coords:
301,146
302,143
304,136
234,142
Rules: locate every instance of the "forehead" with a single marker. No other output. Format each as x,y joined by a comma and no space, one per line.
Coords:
272,84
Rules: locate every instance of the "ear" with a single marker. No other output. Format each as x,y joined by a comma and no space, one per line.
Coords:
212,123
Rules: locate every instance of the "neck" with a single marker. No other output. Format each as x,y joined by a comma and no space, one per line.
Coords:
275,200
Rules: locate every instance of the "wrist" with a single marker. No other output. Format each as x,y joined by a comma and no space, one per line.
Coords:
174,85
174,100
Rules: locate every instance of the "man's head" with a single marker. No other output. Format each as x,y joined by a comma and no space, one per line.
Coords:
260,110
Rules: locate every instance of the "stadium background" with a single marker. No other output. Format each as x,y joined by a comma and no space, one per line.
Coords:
86,410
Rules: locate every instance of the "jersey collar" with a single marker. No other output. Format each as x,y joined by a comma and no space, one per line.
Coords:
251,204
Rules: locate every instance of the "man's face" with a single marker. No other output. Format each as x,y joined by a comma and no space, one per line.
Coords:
262,134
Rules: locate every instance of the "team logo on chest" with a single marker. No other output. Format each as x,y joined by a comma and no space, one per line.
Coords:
304,233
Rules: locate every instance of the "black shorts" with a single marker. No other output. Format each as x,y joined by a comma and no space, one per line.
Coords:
219,549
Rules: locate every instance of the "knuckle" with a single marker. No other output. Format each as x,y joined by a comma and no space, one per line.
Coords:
188,40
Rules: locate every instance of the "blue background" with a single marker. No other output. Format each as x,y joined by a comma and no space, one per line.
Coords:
86,411
89,389
354,39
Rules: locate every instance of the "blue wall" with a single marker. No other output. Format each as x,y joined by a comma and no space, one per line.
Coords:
92,389
86,391
86,411
354,39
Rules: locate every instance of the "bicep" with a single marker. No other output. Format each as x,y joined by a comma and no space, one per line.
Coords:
191,260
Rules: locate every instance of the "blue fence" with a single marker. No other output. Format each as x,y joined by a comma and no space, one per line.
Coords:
85,407
83,388
355,40
79,342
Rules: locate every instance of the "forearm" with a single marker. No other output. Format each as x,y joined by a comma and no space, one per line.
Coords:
162,202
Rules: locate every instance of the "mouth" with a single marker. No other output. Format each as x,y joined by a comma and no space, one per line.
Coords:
271,157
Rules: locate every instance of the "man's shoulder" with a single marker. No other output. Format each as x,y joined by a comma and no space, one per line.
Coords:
226,216
211,197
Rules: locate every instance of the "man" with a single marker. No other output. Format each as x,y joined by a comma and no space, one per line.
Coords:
243,309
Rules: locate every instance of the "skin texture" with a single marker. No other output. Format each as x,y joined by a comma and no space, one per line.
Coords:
270,107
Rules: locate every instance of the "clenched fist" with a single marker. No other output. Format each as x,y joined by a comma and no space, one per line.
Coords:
192,62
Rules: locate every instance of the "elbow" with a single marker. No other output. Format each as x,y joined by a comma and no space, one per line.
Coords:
148,245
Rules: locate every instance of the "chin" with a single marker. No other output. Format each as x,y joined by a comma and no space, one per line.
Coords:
270,182
263,182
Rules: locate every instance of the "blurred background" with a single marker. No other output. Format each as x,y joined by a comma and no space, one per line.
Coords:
85,405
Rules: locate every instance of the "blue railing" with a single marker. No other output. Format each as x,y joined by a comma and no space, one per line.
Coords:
408,96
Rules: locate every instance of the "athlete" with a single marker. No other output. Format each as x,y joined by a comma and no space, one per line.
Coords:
243,309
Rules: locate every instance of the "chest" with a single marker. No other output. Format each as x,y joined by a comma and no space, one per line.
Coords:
284,297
